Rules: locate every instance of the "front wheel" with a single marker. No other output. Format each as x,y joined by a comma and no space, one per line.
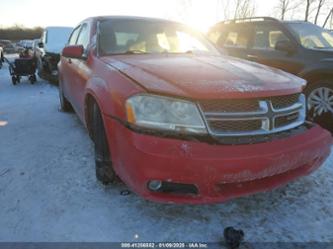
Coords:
320,104
14,80
32,79
103,163
40,68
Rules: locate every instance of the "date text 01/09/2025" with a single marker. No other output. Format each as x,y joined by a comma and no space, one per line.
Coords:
164,245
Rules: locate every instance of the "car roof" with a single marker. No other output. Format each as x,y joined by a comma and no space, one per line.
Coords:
261,19
134,18
249,20
58,28
296,21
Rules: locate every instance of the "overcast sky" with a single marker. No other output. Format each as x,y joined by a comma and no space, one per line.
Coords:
201,15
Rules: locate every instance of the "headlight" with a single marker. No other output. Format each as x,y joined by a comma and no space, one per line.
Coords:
164,113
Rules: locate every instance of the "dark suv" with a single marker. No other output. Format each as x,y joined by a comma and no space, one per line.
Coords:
297,47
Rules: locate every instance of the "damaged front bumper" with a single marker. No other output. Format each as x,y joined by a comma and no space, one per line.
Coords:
200,172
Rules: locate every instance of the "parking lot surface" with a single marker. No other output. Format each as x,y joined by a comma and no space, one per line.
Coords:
48,190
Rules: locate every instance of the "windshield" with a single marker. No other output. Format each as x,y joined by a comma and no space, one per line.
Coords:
145,36
312,36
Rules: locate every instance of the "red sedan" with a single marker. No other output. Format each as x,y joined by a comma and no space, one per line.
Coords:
179,122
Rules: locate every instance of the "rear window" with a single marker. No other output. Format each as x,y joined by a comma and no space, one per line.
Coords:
236,39
234,36
266,37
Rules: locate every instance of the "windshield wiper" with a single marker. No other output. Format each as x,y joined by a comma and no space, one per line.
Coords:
186,52
135,51
131,51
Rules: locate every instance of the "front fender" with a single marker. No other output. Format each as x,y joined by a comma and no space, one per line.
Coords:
97,88
111,92
321,70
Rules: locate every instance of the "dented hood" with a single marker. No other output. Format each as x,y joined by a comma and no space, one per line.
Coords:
203,77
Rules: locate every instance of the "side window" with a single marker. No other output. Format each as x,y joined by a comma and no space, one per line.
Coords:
267,36
214,36
74,35
238,37
274,36
84,36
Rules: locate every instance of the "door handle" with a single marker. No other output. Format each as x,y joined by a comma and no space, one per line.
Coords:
252,57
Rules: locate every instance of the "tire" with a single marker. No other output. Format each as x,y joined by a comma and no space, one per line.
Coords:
320,104
14,81
65,105
32,79
104,171
40,69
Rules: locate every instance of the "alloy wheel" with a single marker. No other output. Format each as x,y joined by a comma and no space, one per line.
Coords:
320,101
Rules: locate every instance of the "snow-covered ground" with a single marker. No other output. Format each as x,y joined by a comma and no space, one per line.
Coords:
48,190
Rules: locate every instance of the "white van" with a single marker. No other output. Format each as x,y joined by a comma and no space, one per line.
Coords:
52,42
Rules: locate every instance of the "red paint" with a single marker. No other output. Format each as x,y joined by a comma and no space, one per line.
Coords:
139,158
220,172
73,51
214,78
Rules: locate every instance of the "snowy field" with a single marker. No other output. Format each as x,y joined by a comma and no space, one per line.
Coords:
48,190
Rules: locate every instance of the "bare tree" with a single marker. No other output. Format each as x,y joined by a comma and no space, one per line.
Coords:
244,9
222,9
184,7
321,3
285,6
226,9
225,6
308,9
330,15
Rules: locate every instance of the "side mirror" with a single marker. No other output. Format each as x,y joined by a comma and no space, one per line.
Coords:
40,44
75,52
285,46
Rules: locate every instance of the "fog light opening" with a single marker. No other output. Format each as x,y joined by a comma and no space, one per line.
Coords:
155,185
172,188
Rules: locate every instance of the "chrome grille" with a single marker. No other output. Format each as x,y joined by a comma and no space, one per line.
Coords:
253,116
280,102
229,105
235,126
286,120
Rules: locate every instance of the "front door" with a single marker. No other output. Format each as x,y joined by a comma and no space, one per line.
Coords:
263,51
82,70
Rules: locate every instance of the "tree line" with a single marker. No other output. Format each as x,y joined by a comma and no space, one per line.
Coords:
312,9
17,33
319,12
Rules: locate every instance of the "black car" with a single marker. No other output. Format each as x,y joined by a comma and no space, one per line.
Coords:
298,47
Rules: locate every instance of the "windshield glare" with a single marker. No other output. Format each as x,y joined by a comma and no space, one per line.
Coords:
144,36
312,36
